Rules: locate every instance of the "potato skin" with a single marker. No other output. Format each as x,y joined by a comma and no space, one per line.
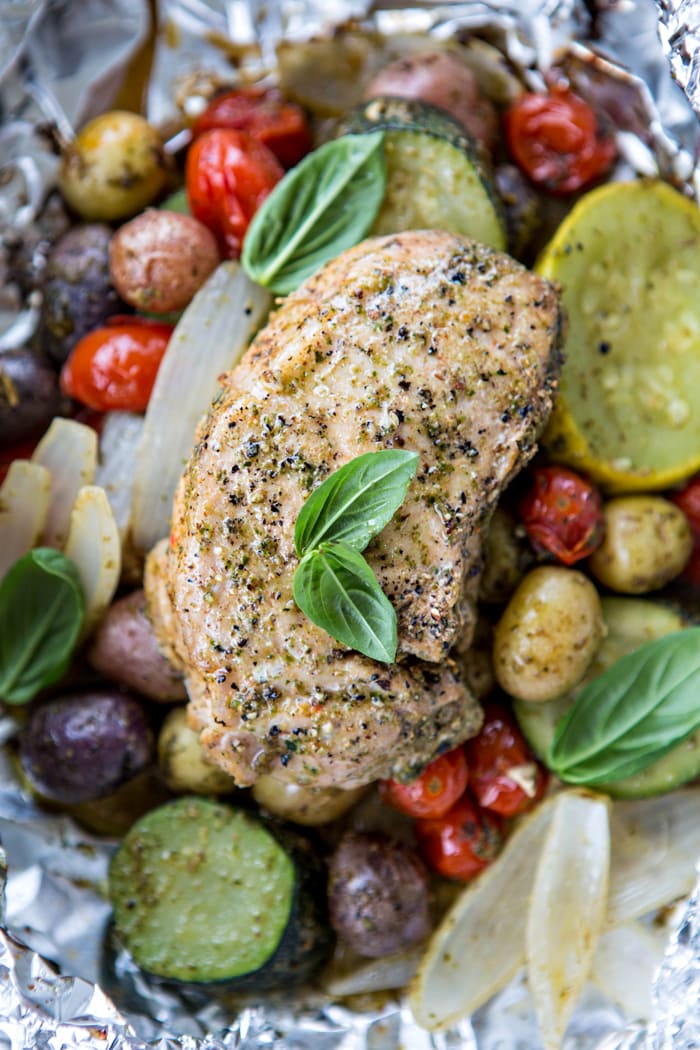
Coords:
160,259
124,649
29,395
181,759
548,634
304,805
647,543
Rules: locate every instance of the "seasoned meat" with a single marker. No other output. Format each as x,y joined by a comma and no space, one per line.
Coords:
420,341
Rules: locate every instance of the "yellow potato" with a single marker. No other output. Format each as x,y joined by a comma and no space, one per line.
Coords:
304,805
181,759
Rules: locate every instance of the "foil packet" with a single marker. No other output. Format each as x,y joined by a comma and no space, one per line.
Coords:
60,62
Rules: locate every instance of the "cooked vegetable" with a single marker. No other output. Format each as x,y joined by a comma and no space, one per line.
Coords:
432,793
160,259
523,209
228,176
120,436
115,167
507,555
203,892
377,894
548,634
279,125
628,410
476,662
68,450
94,548
563,514
77,294
688,499
124,648
182,762
647,543
503,774
41,615
624,965
304,805
114,814
420,140
353,974
24,504
462,842
29,395
83,746
325,205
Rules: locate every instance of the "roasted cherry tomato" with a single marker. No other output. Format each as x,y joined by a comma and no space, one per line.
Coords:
688,499
434,791
461,843
228,176
503,774
555,139
279,125
563,514
115,367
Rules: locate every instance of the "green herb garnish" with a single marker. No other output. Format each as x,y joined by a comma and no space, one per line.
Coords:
41,613
333,584
327,203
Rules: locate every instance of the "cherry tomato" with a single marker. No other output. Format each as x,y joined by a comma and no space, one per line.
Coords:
556,141
461,843
504,776
434,791
281,126
562,513
688,499
228,175
115,367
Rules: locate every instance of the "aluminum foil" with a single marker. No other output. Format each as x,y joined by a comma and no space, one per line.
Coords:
60,62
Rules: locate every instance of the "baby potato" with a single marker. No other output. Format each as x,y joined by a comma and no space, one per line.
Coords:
181,759
160,259
114,168
647,543
548,634
304,805
506,558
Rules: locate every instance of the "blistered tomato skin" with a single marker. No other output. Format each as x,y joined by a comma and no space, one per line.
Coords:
505,778
563,514
688,500
279,125
114,368
432,793
228,175
461,843
555,139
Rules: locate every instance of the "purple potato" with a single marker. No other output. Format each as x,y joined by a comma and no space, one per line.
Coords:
29,395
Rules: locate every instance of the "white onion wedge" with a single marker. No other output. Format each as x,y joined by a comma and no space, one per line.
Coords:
372,975
93,545
24,504
480,944
68,450
624,965
567,909
120,437
656,844
209,339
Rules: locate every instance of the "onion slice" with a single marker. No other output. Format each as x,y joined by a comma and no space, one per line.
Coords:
624,965
371,975
24,504
209,339
93,545
120,437
68,450
567,909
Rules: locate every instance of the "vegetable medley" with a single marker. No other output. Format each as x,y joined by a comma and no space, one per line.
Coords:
584,655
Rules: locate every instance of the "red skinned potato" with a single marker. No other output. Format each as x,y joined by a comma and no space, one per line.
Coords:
124,648
443,79
160,259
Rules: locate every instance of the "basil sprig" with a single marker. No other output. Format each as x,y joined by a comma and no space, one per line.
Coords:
41,613
333,584
327,203
632,714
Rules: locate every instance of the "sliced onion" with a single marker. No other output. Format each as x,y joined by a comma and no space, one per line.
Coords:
624,965
656,843
24,504
120,437
480,944
93,544
69,452
357,975
567,909
210,337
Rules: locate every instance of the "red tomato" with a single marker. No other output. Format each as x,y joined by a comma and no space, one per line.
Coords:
562,513
434,791
115,367
555,139
688,499
504,776
228,175
461,843
281,126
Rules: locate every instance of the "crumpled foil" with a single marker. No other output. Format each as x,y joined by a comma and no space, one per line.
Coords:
60,61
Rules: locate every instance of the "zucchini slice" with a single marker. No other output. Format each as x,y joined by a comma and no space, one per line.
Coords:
631,622
628,260
435,178
203,892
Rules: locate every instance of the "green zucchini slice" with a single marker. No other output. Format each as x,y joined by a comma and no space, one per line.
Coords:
203,892
630,622
435,177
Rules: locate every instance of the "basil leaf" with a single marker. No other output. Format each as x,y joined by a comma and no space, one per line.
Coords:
335,587
327,203
356,501
41,613
632,714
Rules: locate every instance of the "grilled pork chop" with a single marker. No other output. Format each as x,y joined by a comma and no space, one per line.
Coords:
420,341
